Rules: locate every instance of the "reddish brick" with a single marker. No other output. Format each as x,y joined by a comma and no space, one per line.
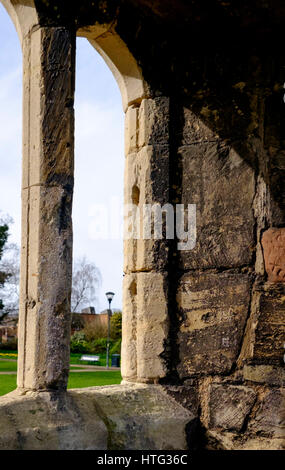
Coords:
273,243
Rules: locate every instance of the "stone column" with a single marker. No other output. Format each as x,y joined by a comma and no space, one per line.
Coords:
47,188
145,293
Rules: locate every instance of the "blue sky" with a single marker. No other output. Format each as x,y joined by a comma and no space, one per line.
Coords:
99,154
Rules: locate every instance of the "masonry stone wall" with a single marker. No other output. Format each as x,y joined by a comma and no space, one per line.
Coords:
202,89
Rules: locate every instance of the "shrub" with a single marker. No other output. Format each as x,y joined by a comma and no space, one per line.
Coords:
98,346
95,331
77,322
116,347
78,343
116,325
11,345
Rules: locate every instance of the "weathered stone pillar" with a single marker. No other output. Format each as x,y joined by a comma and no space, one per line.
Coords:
145,294
46,264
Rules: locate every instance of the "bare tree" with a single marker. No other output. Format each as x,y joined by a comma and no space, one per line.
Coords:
86,280
10,265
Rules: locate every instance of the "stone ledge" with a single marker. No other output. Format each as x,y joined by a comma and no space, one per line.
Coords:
218,440
128,416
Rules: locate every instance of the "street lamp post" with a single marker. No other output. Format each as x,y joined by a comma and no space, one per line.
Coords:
109,296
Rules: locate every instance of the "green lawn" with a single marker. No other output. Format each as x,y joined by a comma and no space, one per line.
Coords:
76,380
8,354
75,359
7,383
93,379
8,366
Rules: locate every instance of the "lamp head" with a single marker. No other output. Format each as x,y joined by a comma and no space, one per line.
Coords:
110,296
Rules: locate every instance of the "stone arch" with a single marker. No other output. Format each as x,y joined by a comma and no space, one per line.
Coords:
47,190
145,310
23,14
119,60
200,326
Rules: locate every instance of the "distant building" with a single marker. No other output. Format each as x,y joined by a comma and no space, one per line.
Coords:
105,312
90,310
88,316
8,333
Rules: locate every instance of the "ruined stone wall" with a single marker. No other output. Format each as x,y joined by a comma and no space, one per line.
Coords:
221,305
202,88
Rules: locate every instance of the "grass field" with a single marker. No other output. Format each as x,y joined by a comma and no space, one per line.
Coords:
8,366
93,379
75,359
7,383
8,354
76,379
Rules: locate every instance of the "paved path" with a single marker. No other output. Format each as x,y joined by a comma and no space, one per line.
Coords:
13,372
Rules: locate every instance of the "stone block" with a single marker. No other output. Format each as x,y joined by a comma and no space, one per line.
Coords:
265,374
269,343
145,327
229,405
154,122
129,328
186,395
194,129
222,185
213,309
145,255
143,417
152,326
131,130
49,138
118,417
146,182
221,440
45,304
50,421
265,335
269,419
148,170
273,244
